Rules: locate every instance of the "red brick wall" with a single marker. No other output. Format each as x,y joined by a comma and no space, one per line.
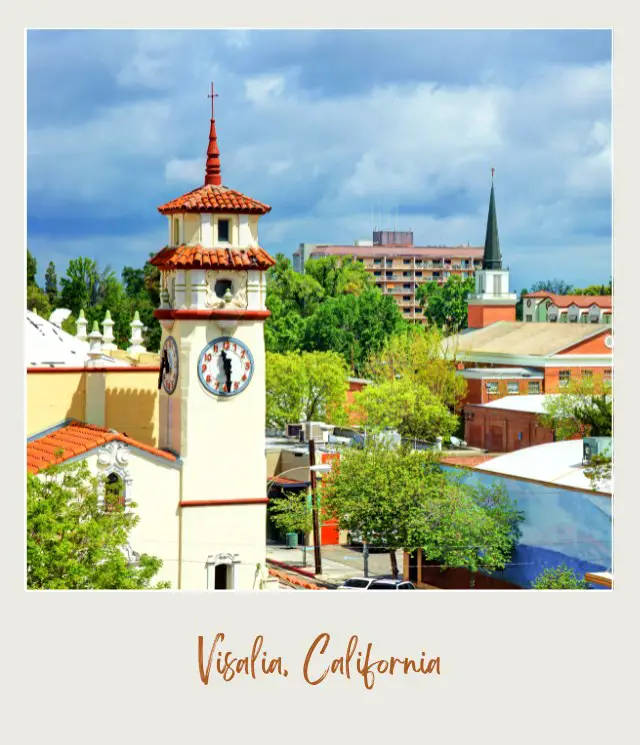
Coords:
552,376
479,316
498,430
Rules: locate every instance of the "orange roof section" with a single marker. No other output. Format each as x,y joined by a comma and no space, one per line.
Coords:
76,438
197,257
214,198
582,301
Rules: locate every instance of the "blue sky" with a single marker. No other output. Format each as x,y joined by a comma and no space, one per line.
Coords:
326,127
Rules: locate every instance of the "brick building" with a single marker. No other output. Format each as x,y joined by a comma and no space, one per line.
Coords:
397,266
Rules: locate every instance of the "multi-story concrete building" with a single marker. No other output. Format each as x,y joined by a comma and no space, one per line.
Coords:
397,266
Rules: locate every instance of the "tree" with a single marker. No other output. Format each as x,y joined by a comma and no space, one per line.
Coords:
338,275
293,514
354,326
416,354
554,286
594,290
37,301
559,578
73,543
402,499
410,408
583,408
305,387
51,284
32,269
446,305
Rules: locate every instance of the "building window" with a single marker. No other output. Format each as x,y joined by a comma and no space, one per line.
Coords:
606,318
584,318
377,261
565,377
406,298
407,310
491,387
406,274
418,274
528,319
534,386
176,231
389,274
587,373
114,493
377,274
407,261
607,378
513,388
223,231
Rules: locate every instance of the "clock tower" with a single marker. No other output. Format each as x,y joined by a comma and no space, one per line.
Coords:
212,378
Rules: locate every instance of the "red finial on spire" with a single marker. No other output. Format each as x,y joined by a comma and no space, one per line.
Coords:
212,171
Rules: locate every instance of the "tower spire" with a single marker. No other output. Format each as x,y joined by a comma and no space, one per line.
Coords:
492,258
212,171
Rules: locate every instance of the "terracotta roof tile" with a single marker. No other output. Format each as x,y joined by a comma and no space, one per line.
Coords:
582,301
76,438
213,198
196,257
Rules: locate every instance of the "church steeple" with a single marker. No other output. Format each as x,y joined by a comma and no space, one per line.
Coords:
492,258
212,171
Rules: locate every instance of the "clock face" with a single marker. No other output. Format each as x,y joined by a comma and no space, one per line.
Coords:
225,366
169,365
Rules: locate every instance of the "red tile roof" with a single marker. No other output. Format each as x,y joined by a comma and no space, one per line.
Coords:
76,438
213,198
195,257
582,301
469,460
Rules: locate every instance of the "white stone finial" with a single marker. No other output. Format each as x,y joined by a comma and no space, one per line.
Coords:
81,327
95,344
137,346
107,333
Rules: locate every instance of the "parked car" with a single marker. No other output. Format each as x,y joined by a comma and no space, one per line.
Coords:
364,583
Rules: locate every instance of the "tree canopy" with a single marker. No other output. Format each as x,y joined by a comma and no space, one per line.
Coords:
74,542
402,499
305,386
559,578
331,307
446,305
583,408
406,406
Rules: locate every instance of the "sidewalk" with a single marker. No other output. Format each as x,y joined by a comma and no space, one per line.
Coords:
338,562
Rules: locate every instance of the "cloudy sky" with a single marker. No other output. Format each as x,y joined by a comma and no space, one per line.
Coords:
329,128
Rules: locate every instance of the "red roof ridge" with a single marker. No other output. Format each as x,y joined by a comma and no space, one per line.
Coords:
74,438
582,301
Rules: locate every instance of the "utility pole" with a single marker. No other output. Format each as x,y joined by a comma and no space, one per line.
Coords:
314,507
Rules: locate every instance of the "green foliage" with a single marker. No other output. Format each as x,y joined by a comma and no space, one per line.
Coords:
292,513
446,305
354,326
410,408
32,269
51,284
559,578
38,301
554,286
594,290
338,275
305,386
416,354
583,408
402,499
74,543
332,307
599,471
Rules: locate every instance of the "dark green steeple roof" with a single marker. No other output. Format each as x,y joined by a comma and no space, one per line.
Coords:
492,258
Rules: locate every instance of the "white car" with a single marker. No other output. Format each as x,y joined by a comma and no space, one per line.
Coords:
371,583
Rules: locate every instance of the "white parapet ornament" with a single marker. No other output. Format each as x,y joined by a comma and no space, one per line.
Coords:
107,333
95,344
137,345
81,327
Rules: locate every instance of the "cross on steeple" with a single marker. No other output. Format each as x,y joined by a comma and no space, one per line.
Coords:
212,95
493,170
